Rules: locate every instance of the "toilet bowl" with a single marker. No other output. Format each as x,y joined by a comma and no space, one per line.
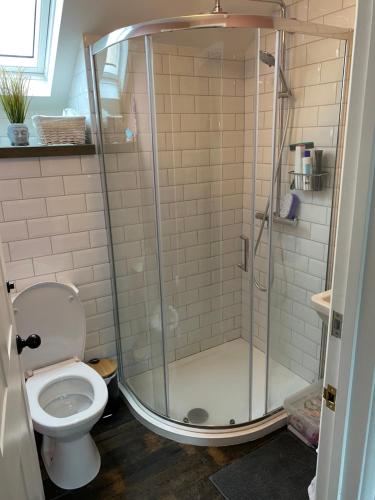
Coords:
66,397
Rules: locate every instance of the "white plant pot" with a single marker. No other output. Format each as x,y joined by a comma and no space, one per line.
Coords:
18,134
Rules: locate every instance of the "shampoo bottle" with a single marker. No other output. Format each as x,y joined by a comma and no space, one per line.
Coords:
318,157
298,178
317,168
307,171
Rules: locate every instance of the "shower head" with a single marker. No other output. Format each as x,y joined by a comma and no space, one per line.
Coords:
267,58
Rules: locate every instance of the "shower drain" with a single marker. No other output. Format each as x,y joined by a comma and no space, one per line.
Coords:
196,416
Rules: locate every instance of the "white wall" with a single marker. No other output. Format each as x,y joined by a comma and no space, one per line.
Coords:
52,228
78,98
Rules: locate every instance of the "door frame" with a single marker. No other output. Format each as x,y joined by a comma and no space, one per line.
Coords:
344,436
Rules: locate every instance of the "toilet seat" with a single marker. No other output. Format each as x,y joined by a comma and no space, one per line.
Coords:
54,312
46,423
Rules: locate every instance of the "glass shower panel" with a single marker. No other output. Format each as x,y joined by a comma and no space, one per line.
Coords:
123,99
203,124
299,252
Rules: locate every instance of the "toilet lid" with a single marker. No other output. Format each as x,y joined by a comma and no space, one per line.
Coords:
54,312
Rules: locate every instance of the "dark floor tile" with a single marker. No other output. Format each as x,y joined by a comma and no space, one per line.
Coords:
140,465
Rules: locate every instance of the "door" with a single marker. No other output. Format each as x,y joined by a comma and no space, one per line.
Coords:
345,437
20,477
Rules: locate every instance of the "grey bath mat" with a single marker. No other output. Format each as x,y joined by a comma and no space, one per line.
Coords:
280,470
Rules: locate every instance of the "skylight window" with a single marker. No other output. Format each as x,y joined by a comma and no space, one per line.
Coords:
29,33
25,34
17,31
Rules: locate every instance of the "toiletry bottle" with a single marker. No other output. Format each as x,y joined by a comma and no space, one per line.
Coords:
318,159
312,156
317,168
298,178
307,171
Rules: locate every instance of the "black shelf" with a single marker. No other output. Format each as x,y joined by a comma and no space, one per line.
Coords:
58,150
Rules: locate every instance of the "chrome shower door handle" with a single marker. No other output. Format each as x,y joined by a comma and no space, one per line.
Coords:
245,265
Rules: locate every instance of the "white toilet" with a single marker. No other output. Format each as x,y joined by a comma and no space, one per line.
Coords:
66,397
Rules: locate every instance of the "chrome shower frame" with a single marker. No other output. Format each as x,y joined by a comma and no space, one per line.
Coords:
251,430
221,20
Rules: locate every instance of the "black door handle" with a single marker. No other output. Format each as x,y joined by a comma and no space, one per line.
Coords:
33,341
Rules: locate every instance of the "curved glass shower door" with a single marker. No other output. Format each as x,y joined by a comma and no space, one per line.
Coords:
204,90
177,126
123,101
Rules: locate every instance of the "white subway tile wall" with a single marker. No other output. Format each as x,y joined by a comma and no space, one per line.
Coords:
50,234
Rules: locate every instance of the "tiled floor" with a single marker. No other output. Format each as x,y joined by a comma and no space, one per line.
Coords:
139,465
217,380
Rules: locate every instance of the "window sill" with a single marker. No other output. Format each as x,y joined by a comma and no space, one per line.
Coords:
58,150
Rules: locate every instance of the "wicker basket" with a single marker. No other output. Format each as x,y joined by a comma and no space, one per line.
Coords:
60,129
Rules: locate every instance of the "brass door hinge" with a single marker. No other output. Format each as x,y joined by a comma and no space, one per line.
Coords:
329,394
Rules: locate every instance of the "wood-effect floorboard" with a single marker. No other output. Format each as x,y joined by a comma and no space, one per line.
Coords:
137,464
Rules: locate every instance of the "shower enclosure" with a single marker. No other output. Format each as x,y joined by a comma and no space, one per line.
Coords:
211,285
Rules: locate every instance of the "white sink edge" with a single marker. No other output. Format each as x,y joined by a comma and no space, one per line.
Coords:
321,302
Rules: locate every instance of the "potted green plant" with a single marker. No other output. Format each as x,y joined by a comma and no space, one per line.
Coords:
14,89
